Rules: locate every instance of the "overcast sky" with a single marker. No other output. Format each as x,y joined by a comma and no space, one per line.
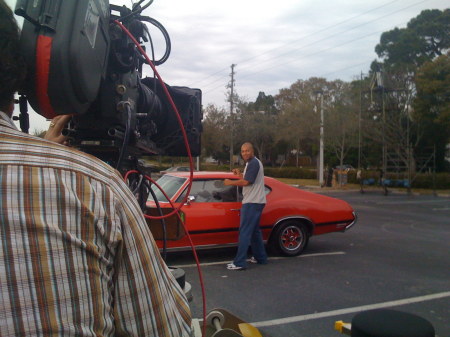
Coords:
272,43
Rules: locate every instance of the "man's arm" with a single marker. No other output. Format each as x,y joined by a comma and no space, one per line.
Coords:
250,175
236,182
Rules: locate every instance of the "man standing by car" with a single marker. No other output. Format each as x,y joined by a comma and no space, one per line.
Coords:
252,182
76,255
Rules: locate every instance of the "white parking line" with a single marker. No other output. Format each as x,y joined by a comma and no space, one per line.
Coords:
412,202
295,319
441,209
270,259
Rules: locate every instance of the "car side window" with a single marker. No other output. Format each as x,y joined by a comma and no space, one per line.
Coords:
213,190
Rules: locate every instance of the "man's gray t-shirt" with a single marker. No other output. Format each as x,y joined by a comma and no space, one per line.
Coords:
254,174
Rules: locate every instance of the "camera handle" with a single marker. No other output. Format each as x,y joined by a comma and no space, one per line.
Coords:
23,118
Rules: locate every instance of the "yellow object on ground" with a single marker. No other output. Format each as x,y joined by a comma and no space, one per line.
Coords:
342,327
248,330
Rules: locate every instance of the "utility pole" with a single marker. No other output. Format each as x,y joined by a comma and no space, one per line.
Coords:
231,85
383,109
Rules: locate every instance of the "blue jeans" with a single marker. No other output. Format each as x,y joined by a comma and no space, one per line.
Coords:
250,235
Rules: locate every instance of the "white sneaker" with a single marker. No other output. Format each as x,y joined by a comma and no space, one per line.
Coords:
232,266
252,260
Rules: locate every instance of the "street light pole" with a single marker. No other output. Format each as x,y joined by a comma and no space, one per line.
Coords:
321,142
231,115
321,182
359,122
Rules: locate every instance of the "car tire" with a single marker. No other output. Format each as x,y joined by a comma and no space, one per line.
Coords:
290,238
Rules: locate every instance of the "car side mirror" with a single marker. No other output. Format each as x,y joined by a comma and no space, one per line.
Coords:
190,199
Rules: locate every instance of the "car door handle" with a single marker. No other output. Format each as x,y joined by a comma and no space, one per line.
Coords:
235,209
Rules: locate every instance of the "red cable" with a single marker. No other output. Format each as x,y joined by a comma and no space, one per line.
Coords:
174,107
194,252
191,175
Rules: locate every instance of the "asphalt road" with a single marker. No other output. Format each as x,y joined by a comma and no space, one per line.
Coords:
397,256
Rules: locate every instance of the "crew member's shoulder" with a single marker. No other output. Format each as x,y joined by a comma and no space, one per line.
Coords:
37,151
79,159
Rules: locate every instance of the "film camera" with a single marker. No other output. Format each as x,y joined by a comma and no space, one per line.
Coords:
81,62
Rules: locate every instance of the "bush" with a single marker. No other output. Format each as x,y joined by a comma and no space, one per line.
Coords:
290,172
425,180
421,180
214,167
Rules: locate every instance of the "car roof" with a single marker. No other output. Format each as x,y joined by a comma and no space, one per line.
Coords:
216,175
204,174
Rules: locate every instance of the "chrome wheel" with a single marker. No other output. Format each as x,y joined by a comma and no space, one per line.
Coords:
290,238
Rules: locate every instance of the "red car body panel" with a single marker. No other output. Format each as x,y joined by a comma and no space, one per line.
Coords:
217,223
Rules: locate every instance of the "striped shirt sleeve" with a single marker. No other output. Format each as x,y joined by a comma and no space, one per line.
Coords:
76,255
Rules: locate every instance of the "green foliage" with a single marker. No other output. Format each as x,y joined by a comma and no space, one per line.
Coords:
214,167
215,135
254,122
424,38
290,172
263,103
432,105
442,181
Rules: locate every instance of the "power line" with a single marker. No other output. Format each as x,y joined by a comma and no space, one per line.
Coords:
300,39
323,30
312,43
328,37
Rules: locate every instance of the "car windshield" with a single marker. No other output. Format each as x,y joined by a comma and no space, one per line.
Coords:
169,184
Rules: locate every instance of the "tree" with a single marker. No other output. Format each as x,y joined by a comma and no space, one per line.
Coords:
424,38
432,105
263,103
298,120
215,138
341,122
403,52
256,123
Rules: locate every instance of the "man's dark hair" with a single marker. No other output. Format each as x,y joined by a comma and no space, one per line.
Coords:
12,65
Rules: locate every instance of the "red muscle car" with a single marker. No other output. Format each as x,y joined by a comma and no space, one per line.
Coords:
211,213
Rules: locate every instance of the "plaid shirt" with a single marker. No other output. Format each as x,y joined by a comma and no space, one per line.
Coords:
76,255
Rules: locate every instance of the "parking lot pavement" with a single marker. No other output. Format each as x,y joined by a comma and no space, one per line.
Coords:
396,256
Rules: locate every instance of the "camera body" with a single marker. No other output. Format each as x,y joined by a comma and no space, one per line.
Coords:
81,63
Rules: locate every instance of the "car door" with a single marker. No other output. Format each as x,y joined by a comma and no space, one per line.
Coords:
213,213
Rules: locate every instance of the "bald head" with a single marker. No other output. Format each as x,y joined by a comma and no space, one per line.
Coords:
247,151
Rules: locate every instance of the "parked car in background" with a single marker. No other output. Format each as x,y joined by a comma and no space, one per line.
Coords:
290,217
345,167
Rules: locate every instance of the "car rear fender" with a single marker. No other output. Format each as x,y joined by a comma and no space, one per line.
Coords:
299,218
